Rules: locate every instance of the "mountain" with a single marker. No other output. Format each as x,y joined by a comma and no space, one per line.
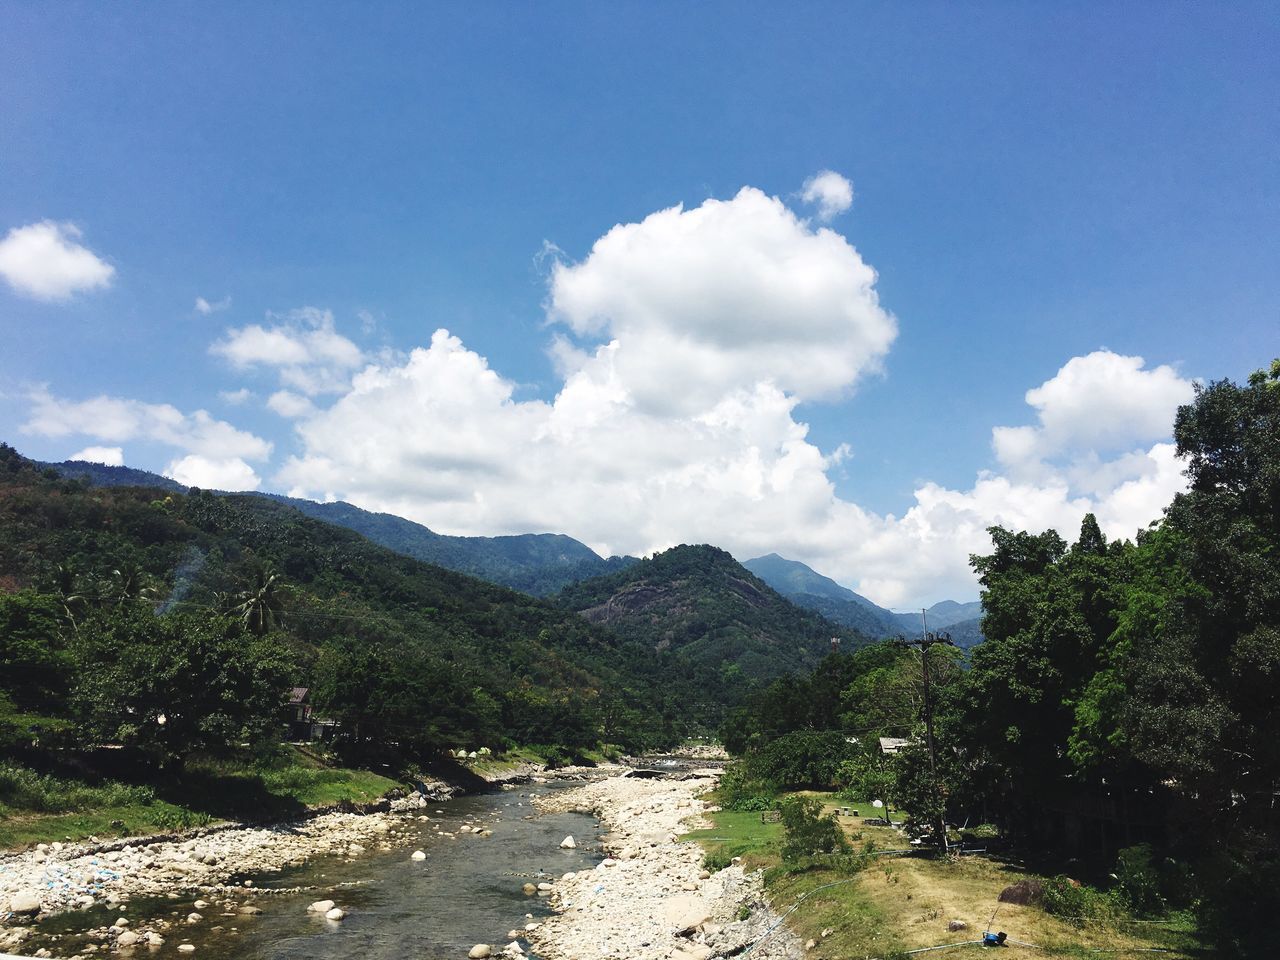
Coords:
701,603
102,475
443,658
807,588
535,563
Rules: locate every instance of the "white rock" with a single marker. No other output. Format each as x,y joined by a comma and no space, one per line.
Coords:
186,948
567,844
26,902
154,939
480,951
418,855
337,913
194,918
545,887
201,905
320,906
127,939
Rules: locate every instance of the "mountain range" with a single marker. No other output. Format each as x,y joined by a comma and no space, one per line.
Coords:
544,564
805,587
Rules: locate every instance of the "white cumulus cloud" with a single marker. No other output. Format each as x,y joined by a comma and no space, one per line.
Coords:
230,473
303,346
685,343
118,419
46,261
109,456
696,304
830,192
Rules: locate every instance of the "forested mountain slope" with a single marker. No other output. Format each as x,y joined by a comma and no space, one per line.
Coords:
535,563
703,604
402,650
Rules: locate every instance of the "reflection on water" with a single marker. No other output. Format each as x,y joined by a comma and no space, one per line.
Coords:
467,891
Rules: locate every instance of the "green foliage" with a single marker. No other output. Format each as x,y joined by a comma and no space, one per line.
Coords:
174,685
800,760
737,790
807,832
33,659
29,791
1138,880
1077,903
448,657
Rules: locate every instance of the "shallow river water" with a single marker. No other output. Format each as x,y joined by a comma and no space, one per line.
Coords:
467,891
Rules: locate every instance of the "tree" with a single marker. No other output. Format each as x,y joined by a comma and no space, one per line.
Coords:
169,686
259,605
33,660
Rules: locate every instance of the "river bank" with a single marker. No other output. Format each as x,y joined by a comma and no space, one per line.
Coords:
651,898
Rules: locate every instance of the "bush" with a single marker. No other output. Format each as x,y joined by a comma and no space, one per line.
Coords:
1138,881
806,832
23,789
739,792
713,861
1076,903
805,759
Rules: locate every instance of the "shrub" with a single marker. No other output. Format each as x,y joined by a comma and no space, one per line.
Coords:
1076,903
806,832
1138,881
739,792
804,759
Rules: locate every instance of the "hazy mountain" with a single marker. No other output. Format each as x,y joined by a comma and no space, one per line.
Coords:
807,588
703,604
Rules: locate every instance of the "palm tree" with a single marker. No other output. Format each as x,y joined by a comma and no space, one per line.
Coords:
259,606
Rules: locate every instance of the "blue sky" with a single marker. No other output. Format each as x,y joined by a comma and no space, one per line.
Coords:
1032,184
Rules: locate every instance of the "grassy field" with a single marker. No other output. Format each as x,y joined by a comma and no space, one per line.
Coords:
40,808
904,903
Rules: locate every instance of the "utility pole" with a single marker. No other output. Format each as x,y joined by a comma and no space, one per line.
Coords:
928,640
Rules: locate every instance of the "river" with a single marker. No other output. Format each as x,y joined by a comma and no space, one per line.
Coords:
467,891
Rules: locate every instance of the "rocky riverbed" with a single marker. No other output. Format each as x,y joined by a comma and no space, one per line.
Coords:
57,877
651,898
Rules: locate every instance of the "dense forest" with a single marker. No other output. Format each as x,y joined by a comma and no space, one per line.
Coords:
174,623
1122,715
701,603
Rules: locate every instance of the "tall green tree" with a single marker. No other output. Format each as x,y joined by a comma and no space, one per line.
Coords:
170,686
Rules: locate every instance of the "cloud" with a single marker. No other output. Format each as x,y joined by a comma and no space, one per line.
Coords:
44,261
289,404
696,304
832,193
235,397
308,354
1102,401
230,473
115,419
207,307
110,456
685,344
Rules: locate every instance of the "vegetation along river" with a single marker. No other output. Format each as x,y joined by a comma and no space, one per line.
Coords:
467,891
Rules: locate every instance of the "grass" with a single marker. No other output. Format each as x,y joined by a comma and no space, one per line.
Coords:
38,807
903,903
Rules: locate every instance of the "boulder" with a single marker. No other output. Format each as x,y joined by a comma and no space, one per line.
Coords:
186,948
1023,892
418,855
127,939
955,925
249,910
337,913
685,913
194,917
529,889
567,844
480,951
154,939
545,887
321,906
26,903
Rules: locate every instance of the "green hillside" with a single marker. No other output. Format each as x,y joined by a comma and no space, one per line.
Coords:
701,603
407,657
